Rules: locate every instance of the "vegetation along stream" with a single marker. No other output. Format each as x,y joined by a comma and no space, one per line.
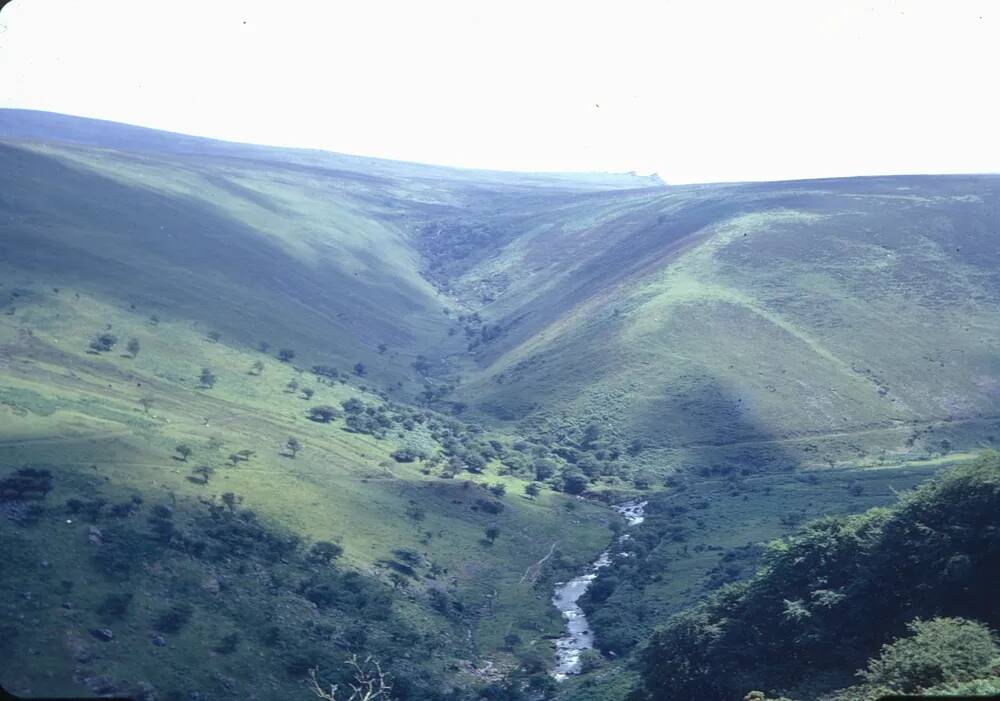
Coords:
578,635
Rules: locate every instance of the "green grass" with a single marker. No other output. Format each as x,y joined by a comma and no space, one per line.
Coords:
845,329
79,415
824,322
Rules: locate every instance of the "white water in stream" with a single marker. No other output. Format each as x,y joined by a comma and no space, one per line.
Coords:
578,635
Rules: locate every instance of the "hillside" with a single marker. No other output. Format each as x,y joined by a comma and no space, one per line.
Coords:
789,324
263,407
833,595
147,483
793,324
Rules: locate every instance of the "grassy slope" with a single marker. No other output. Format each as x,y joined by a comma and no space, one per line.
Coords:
254,252
794,324
99,239
817,323
79,415
827,321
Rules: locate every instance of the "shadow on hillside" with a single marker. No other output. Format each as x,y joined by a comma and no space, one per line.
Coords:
183,257
709,430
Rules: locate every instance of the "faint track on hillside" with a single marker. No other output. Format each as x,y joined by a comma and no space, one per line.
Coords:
531,574
859,431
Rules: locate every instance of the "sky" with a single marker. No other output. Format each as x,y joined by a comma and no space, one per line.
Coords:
699,91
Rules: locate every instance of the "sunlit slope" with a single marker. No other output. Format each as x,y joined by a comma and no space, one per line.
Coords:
107,425
796,323
788,322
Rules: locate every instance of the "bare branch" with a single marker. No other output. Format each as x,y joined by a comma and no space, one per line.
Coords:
318,690
370,682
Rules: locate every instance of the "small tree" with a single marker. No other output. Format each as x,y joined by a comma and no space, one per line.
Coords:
133,347
257,367
307,393
184,450
498,489
231,501
369,683
103,343
359,369
574,482
200,474
293,446
214,335
146,402
590,660
404,455
207,378
286,355
492,533
240,456
322,414
544,469
324,552
353,405
532,489
292,386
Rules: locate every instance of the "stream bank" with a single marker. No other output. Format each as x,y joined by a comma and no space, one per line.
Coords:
578,636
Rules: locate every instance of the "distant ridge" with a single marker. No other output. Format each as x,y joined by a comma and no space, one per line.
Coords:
37,125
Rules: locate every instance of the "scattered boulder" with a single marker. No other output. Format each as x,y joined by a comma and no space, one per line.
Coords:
103,634
101,685
159,640
229,683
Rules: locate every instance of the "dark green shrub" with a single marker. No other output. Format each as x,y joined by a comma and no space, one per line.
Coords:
323,552
174,618
321,414
938,651
115,606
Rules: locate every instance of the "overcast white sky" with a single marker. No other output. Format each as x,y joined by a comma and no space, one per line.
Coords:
697,90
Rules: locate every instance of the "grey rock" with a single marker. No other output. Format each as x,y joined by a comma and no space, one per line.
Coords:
101,685
103,634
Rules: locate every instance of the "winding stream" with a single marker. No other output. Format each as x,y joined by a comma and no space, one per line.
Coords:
578,635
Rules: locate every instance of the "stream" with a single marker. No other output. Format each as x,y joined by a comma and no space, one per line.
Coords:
578,635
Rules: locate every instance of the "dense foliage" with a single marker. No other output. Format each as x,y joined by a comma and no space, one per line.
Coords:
828,598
